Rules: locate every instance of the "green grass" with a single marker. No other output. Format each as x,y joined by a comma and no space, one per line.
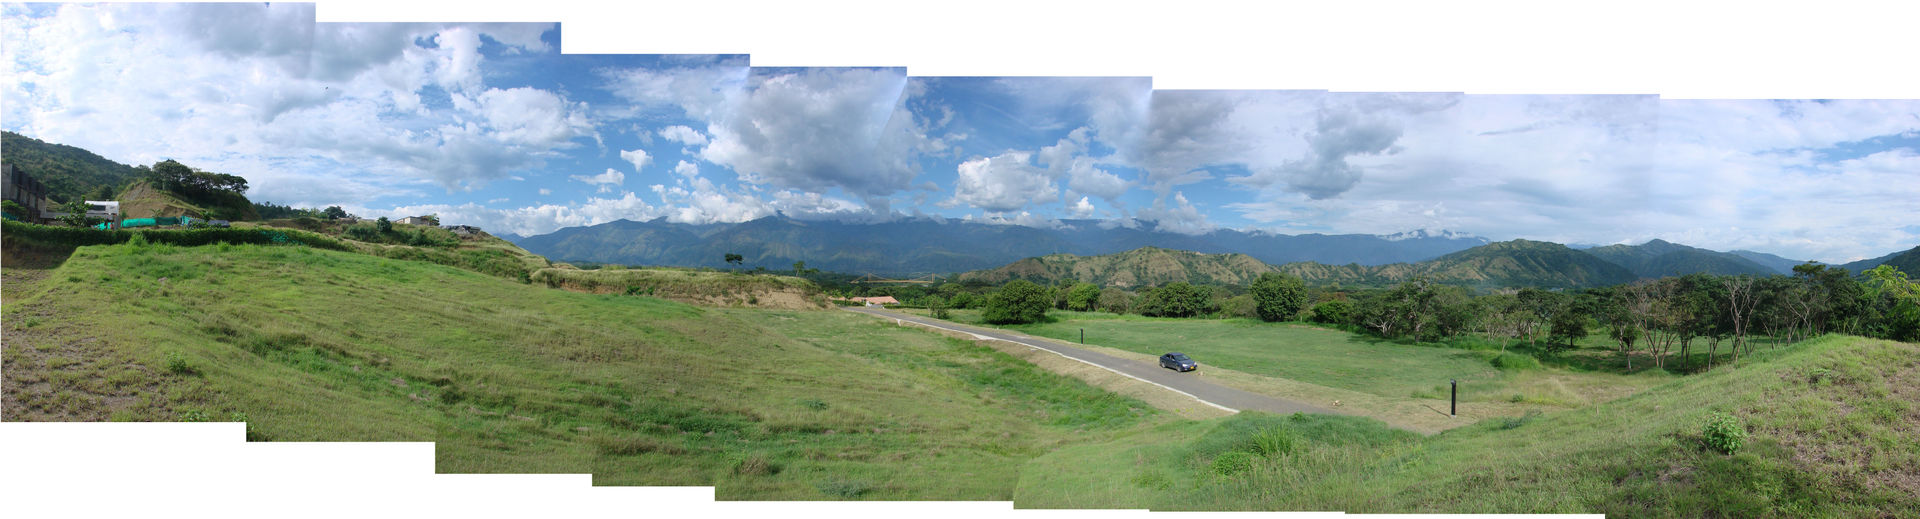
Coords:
505,377
1327,357
1831,424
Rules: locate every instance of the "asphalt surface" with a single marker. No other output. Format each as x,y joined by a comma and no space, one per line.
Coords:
1206,392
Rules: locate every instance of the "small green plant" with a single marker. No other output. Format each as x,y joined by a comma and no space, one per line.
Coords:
1514,422
194,415
755,465
1233,462
1724,433
844,488
178,364
1515,362
814,404
1276,441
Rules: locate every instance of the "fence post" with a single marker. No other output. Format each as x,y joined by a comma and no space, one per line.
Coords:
1453,397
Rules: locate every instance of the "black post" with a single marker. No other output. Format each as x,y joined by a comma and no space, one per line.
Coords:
1453,397
1083,336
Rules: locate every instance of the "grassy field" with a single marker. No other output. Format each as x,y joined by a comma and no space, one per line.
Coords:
1832,424
702,287
311,345
1337,359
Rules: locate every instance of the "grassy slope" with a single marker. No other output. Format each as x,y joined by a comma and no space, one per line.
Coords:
1833,425
1332,358
506,377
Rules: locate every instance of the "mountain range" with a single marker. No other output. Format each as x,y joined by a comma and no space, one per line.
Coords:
916,246
1494,265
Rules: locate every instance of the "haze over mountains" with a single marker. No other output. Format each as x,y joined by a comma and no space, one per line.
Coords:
914,246
1141,254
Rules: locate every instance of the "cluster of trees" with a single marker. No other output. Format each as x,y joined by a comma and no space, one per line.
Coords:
179,179
1655,319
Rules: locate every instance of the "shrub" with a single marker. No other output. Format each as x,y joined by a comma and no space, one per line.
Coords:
1018,302
1233,462
1278,297
1515,362
1275,441
844,488
194,415
1724,433
177,364
1333,312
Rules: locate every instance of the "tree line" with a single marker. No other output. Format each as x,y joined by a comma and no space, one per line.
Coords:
1656,320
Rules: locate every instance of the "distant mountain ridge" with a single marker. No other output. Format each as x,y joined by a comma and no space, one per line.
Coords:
1907,261
1516,263
1660,258
915,246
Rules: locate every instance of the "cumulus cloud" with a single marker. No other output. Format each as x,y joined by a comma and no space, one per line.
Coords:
1180,216
1007,182
234,87
1325,172
683,135
1081,209
530,220
639,158
819,129
606,181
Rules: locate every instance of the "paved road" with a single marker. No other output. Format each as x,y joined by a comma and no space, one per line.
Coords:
1206,392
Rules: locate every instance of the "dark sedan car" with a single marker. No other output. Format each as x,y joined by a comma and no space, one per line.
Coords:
1178,362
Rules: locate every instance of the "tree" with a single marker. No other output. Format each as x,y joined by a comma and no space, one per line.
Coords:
1278,297
74,213
1741,301
384,225
734,259
1177,299
104,193
1116,300
1568,328
1018,302
334,212
432,219
14,208
1338,311
1083,297
799,268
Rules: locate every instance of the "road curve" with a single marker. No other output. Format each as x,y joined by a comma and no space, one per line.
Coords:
1184,383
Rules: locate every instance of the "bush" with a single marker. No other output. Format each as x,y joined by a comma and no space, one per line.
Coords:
1724,433
1333,312
45,235
1233,462
1515,362
1019,302
844,488
1279,297
178,364
1275,442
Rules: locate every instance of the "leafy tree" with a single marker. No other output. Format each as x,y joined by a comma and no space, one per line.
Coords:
432,219
1178,299
1083,297
74,213
1116,300
334,212
799,268
1278,297
734,259
383,225
1018,302
15,209
963,300
1338,311
1568,328
104,193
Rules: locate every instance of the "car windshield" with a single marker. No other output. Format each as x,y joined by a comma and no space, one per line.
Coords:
1177,356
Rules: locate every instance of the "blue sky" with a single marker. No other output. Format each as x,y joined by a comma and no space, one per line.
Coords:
490,124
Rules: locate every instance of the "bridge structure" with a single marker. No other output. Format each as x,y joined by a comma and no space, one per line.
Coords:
872,279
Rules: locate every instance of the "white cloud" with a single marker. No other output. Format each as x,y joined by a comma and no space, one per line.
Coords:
1081,209
1181,217
683,135
638,158
607,181
686,169
1003,183
818,129
531,220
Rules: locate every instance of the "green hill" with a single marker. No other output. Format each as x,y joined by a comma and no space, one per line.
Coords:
1659,258
1145,266
507,377
1516,263
69,173
1830,424
1907,261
